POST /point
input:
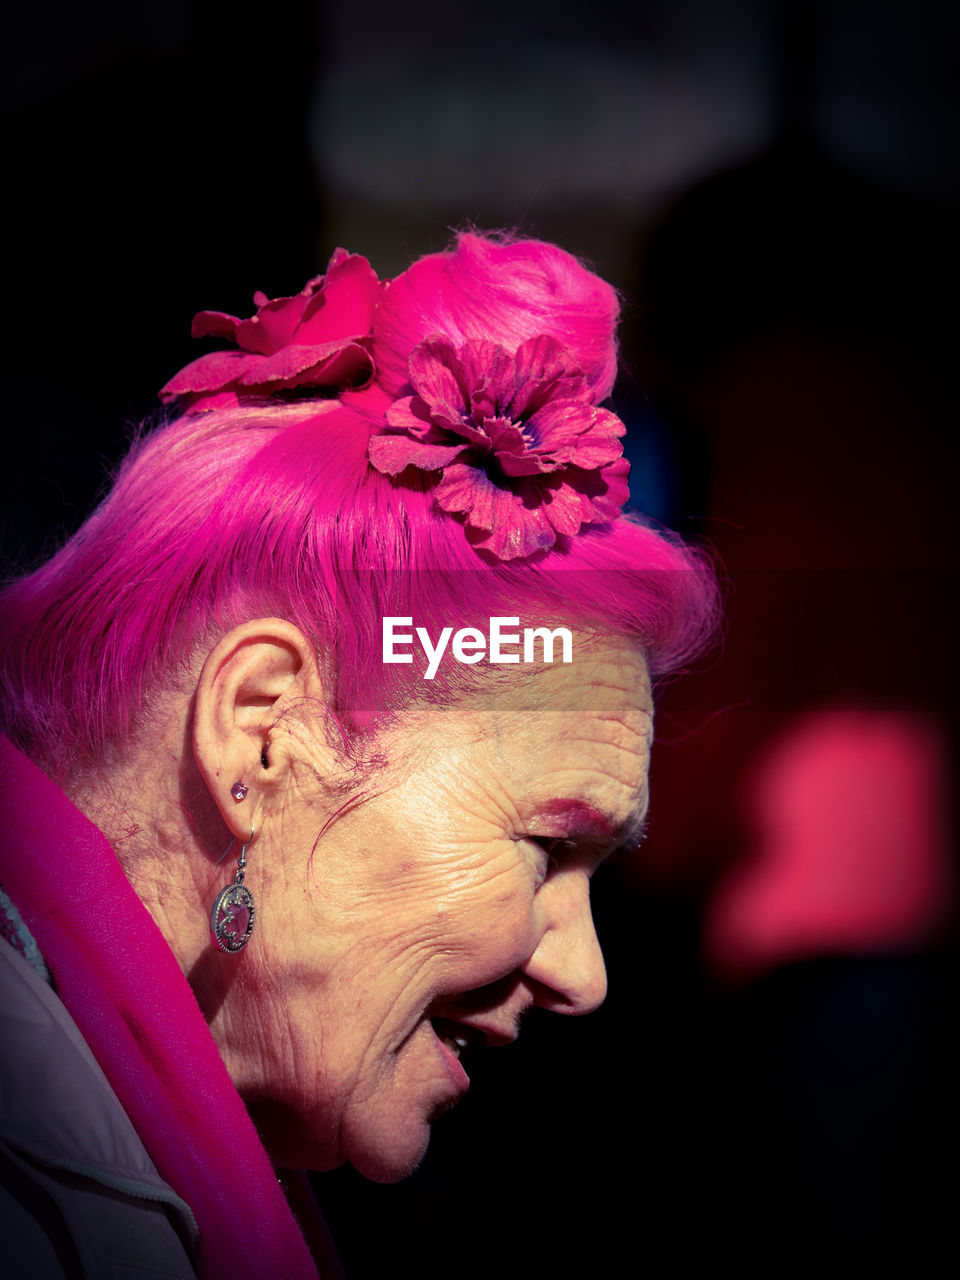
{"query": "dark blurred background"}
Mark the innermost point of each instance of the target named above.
(773, 187)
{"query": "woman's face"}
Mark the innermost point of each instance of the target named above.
(438, 910)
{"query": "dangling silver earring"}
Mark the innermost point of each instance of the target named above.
(231, 919)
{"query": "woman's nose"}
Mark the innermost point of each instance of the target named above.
(567, 967)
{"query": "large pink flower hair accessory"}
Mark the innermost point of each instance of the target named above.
(320, 338)
(523, 453)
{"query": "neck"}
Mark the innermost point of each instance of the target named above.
(168, 837)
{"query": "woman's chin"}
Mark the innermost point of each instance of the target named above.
(385, 1126)
(390, 1156)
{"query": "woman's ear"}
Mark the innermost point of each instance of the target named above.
(253, 673)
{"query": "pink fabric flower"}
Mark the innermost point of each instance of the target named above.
(524, 455)
(318, 338)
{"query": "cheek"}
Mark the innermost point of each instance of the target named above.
(493, 924)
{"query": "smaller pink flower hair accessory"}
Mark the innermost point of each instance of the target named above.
(320, 338)
(524, 454)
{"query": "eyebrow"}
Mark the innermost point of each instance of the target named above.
(577, 818)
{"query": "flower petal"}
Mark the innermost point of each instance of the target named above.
(526, 464)
(275, 323)
(504, 436)
(575, 431)
(545, 370)
(414, 415)
(566, 510)
(542, 359)
(602, 493)
(209, 373)
(329, 364)
(214, 324)
(464, 488)
(607, 424)
(465, 429)
(436, 377)
(487, 374)
(344, 306)
(522, 532)
(511, 523)
(556, 428)
(350, 368)
(391, 454)
(617, 494)
(409, 413)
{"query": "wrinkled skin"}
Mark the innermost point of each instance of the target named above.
(457, 888)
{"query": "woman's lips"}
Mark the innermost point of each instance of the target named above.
(451, 1041)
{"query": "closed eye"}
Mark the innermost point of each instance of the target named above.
(554, 847)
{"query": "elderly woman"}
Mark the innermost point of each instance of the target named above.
(316, 731)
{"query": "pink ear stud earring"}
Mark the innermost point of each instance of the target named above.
(239, 791)
(231, 918)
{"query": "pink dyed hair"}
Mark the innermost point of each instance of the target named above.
(509, 290)
(271, 509)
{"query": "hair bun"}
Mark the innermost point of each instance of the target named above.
(503, 289)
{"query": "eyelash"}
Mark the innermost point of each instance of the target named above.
(549, 844)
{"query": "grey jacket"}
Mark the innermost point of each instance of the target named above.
(79, 1196)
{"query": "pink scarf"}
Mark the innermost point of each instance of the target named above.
(119, 980)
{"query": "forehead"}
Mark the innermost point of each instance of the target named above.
(569, 748)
